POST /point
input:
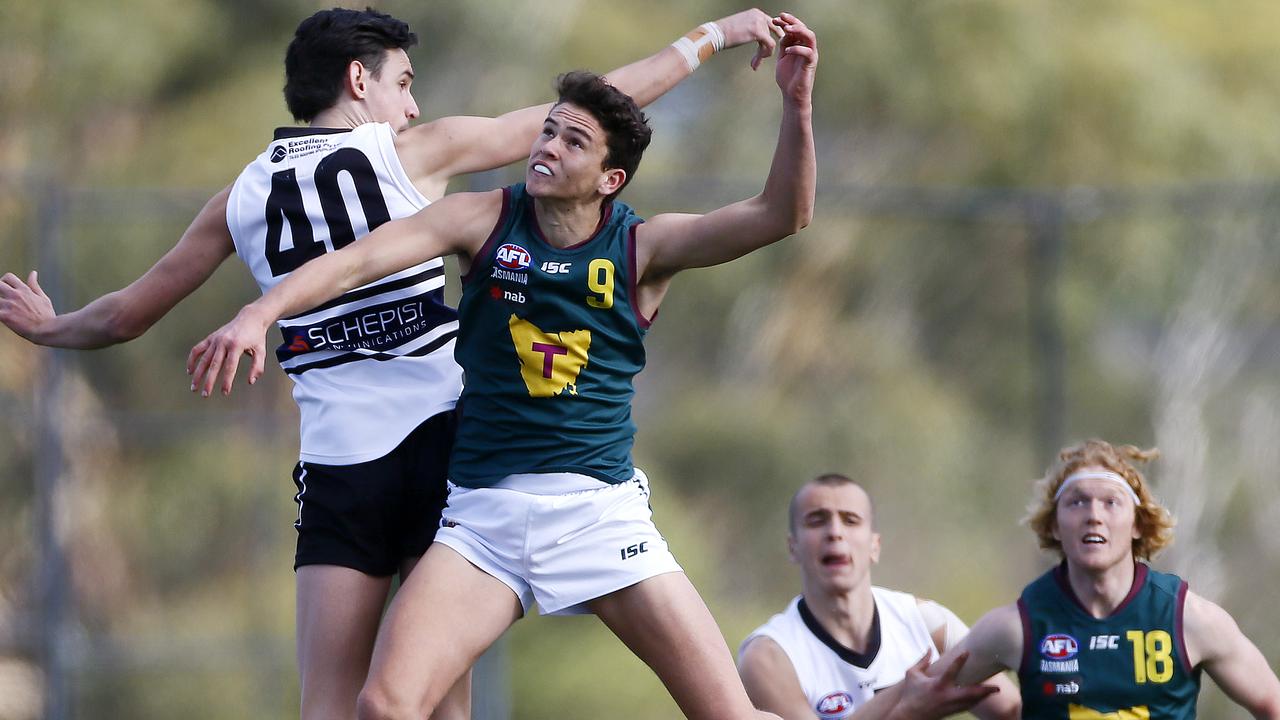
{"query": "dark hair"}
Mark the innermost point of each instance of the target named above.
(325, 44)
(626, 129)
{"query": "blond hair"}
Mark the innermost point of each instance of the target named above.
(1154, 523)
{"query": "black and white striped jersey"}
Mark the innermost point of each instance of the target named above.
(370, 366)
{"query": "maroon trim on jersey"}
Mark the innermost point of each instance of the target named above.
(293, 131)
(1025, 614)
(606, 212)
(487, 248)
(634, 279)
(1064, 584)
(1178, 627)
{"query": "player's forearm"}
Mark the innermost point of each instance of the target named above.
(790, 188)
(648, 79)
(97, 325)
(882, 706)
(316, 282)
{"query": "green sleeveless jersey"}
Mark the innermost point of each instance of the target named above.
(549, 341)
(1131, 665)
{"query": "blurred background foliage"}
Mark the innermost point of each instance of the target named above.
(899, 339)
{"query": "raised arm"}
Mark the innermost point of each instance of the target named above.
(125, 314)
(771, 680)
(1215, 642)
(992, 646)
(457, 224)
(434, 152)
(948, 631)
(670, 243)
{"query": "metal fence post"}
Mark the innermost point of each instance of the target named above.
(49, 467)
(1046, 221)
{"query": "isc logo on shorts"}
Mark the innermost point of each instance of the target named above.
(513, 257)
(631, 551)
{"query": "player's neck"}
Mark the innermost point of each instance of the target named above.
(565, 223)
(1101, 591)
(846, 615)
(341, 115)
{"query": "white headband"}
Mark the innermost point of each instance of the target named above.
(1098, 475)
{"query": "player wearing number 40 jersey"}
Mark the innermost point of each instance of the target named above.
(560, 282)
(374, 377)
(1102, 636)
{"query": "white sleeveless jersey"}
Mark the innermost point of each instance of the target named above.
(836, 680)
(373, 364)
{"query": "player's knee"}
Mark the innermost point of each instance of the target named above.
(379, 703)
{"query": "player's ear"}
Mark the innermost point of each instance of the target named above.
(875, 547)
(355, 79)
(791, 549)
(611, 181)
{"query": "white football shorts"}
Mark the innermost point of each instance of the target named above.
(556, 547)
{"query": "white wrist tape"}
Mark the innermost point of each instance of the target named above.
(700, 43)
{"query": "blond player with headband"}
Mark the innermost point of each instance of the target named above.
(1102, 635)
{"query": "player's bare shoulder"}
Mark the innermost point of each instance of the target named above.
(425, 152)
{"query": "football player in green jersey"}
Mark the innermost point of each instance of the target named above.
(1102, 636)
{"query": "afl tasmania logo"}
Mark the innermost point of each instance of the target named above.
(513, 257)
(278, 154)
(835, 706)
(1059, 647)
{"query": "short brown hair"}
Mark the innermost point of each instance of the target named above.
(1155, 524)
(830, 480)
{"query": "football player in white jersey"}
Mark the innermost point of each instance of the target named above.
(346, 70)
(843, 640)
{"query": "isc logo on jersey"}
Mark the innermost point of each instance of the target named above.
(513, 257)
(835, 706)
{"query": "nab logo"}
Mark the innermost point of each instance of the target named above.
(835, 705)
(279, 153)
(631, 551)
(513, 257)
(556, 268)
(1059, 647)
(1071, 687)
(515, 297)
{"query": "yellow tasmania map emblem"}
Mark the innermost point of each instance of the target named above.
(549, 362)
(1079, 712)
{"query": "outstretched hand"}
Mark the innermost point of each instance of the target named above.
(218, 356)
(24, 307)
(933, 698)
(798, 58)
(751, 26)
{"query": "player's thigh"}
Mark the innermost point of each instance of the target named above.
(666, 624)
(444, 616)
(337, 621)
